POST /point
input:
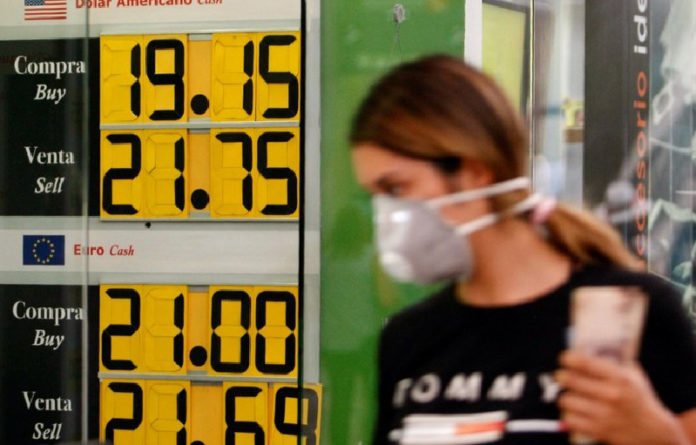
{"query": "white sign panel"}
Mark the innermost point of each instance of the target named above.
(106, 12)
(210, 251)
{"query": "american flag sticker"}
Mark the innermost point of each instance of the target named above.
(45, 9)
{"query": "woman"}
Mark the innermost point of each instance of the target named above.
(444, 155)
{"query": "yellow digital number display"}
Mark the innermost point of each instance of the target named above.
(121, 90)
(144, 411)
(286, 400)
(246, 413)
(121, 413)
(152, 168)
(234, 61)
(278, 92)
(147, 79)
(254, 173)
(143, 78)
(251, 331)
(144, 173)
(237, 173)
(174, 412)
(201, 125)
(142, 328)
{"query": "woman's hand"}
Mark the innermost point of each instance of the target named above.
(614, 403)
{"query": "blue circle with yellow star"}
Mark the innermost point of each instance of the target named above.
(43, 250)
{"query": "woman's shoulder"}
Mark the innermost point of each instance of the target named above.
(664, 298)
(421, 314)
(613, 275)
(650, 284)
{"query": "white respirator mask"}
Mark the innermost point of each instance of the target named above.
(416, 245)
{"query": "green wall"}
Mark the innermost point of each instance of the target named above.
(505, 56)
(358, 45)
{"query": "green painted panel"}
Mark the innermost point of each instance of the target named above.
(360, 42)
(504, 51)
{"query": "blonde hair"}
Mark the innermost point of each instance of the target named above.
(438, 108)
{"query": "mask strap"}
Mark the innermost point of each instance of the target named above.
(494, 189)
(526, 204)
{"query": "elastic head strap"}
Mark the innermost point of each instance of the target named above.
(526, 204)
(494, 189)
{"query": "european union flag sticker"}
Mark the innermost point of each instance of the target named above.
(44, 250)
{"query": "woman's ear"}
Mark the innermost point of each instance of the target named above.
(472, 174)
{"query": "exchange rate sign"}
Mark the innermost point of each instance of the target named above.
(200, 123)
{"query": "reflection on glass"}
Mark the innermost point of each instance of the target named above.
(624, 147)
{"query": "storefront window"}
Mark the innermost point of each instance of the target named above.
(613, 121)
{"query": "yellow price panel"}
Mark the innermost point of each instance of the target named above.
(254, 173)
(224, 173)
(136, 412)
(143, 174)
(233, 173)
(278, 89)
(143, 78)
(246, 413)
(256, 76)
(253, 331)
(248, 331)
(175, 412)
(207, 418)
(234, 60)
(141, 328)
(121, 412)
(121, 174)
(150, 79)
(286, 400)
(120, 67)
(164, 83)
(167, 412)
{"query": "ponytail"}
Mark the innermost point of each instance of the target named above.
(587, 240)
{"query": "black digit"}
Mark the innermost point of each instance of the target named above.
(308, 430)
(277, 173)
(245, 140)
(179, 190)
(279, 77)
(126, 424)
(216, 320)
(179, 323)
(121, 330)
(261, 305)
(178, 182)
(135, 88)
(121, 173)
(175, 79)
(181, 417)
(237, 426)
(248, 93)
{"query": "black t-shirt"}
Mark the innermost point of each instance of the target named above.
(441, 359)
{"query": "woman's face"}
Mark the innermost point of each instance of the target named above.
(383, 171)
